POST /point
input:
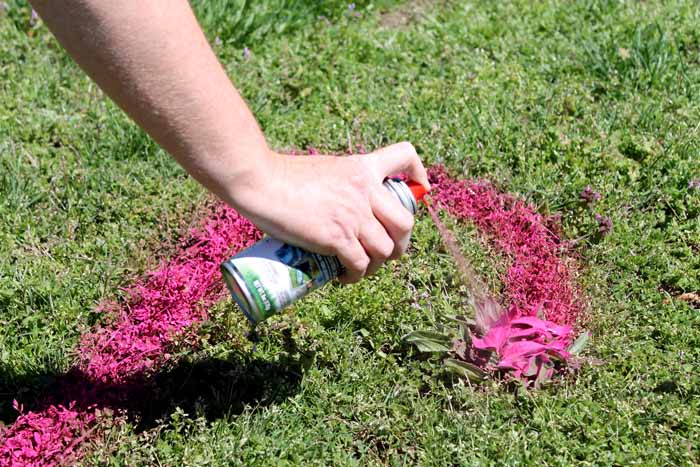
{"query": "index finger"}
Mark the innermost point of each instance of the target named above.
(400, 158)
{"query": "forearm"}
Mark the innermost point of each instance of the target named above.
(153, 60)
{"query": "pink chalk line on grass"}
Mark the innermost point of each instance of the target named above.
(543, 300)
(115, 361)
(538, 278)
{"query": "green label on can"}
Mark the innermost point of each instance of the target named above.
(275, 274)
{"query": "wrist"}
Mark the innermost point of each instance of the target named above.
(243, 188)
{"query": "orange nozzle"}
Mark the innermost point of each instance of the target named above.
(417, 189)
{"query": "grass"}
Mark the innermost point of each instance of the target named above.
(543, 98)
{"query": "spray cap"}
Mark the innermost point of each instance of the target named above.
(417, 189)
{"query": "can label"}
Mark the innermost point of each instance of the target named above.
(275, 274)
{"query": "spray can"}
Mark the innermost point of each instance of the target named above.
(270, 275)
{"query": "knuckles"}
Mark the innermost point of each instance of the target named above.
(408, 148)
(336, 235)
(360, 265)
(404, 223)
(385, 250)
(399, 249)
(358, 175)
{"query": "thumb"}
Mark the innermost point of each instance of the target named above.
(399, 158)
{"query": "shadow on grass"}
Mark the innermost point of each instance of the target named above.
(22, 387)
(211, 388)
(214, 388)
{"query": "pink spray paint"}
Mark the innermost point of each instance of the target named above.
(544, 301)
(115, 361)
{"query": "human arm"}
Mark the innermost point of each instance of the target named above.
(153, 60)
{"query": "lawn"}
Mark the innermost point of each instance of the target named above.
(541, 98)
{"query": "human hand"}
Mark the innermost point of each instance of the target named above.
(334, 205)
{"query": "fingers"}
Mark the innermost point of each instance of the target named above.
(395, 219)
(364, 256)
(385, 232)
(355, 261)
(399, 158)
(377, 243)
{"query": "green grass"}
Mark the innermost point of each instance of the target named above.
(543, 98)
